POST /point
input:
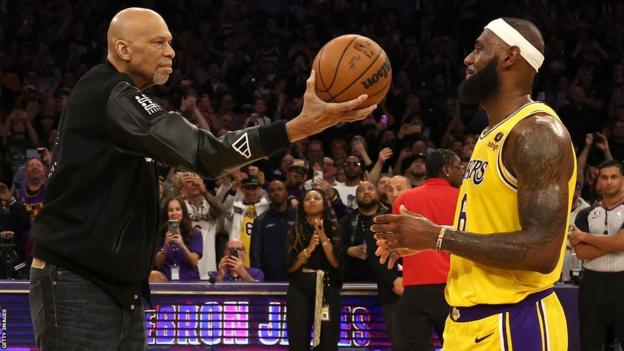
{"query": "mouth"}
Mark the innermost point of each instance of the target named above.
(168, 68)
(469, 72)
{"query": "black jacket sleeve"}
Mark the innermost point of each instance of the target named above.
(138, 125)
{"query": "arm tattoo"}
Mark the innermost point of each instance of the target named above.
(539, 152)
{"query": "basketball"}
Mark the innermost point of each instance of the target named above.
(351, 65)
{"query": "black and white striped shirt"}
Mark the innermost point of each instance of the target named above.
(608, 221)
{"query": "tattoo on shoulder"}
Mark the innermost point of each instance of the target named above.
(540, 152)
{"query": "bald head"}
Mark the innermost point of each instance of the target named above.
(396, 186)
(139, 44)
(129, 23)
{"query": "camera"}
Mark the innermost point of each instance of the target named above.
(234, 252)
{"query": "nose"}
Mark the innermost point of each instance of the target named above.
(469, 60)
(169, 52)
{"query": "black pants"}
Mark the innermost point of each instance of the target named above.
(420, 309)
(601, 299)
(71, 313)
(387, 312)
(300, 314)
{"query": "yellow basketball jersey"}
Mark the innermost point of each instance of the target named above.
(488, 203)
(246, 228)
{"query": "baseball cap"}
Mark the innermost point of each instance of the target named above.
(298, 163)
(408, 161)
(250, 181)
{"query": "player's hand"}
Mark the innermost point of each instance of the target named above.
(402, 235)
(318, 115)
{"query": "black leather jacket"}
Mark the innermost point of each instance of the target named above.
(100, 213)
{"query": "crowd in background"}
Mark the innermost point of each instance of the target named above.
(245, 63)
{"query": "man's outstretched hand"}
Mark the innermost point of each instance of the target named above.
(318, 115)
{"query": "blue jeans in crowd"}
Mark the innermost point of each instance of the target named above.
(71, 313)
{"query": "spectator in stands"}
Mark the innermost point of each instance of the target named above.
(328, 172)
(33, 191)
(362, 265)
(339, 151)
(17, 137)
(268, 238)
(415, 169)
(13, 218)
(422, 306)
(296, 178)
(314, 245)
(353, 173)
(181, 246)
(206, 214)
(396, 186)
(232, 267)
(244, 213)
(315, 152)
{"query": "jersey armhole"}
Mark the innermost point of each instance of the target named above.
(503, 173)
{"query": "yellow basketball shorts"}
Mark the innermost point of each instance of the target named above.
(537, 323)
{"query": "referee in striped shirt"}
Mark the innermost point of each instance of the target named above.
(598, 239)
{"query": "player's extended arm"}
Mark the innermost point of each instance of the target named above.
(539, 152)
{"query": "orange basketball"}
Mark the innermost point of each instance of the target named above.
(351, 65)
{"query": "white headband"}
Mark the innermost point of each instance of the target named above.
(512, 37)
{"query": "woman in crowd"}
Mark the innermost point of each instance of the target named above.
(181, 247)
(314, 245)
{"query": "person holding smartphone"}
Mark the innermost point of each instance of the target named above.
(232, 267)
(181, 248)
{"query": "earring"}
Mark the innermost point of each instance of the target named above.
(447, 174)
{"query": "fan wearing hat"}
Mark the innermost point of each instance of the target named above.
(415, 168)
(244, 213)
(295, 178)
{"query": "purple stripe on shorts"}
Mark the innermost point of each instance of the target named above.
(525, 327)
(468, 314)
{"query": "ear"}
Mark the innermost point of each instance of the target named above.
(122, 48)
(446, 170)
(510, 57)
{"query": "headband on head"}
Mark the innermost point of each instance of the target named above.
(512, 37)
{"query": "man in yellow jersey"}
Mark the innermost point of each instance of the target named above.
(507, 243)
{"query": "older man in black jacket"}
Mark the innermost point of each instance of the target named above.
(96, 236)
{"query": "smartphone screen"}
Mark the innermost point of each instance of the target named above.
(383, 120)
(33, 153)
(173, 226)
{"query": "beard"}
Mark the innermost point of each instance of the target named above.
(481, 85)
(367, 205)
(160, 79)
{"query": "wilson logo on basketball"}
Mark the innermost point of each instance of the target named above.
(382, 72)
